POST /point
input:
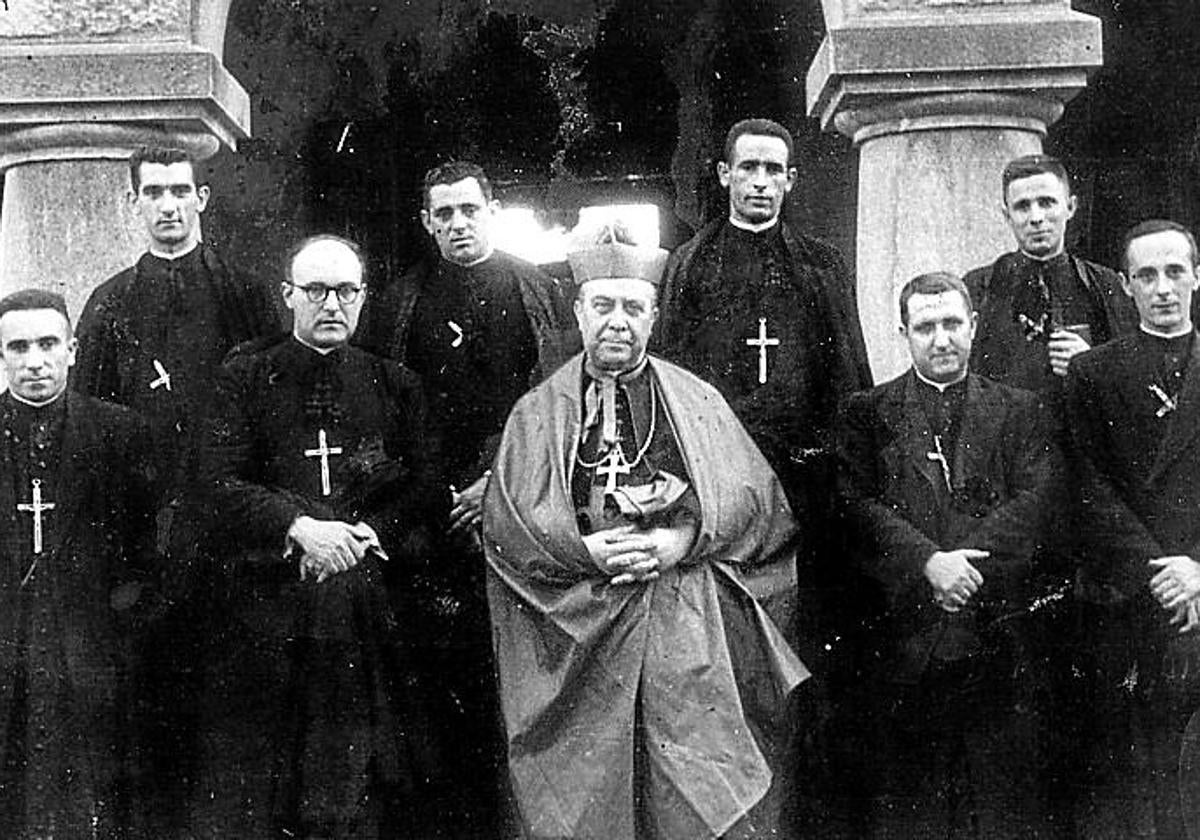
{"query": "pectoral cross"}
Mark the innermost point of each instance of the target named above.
(1168, 402)
(940, 456)
(36, 509)
(613, 464)
(762, 343)
(164, 378)
(323, 451)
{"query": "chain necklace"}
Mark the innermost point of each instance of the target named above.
(645, 445)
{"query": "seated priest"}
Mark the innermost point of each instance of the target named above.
(77, 511)
(639, 571)
(321, 479)
(946, 478)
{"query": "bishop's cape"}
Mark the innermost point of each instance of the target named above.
(682, 670)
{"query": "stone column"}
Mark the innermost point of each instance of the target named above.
(85, 84)
(937, 96)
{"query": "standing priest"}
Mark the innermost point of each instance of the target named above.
(321, 479)
(639, 558)
(77, 514)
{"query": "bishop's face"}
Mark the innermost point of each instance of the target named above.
(459, 218)
(325, 294)
(37, 349)
(170, 204)
(758, 178)
(939, 332)
(1161, 278)
(615, 316)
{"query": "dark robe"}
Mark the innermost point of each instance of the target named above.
(185, 314)
(680, 676)
(1139, 464)
(479, 336)
(66, 614)
(955, 755)
(312, 718)
(1021, 300)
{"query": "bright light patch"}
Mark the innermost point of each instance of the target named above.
(516, 230)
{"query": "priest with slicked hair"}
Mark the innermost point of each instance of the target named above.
(639, 570)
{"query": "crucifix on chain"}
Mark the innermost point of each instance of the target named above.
(323, 451)
(762, 343)
(36, 507)
(939, 455)
(614, 463)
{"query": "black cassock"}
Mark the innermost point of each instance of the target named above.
(312, 721)
(66, 613)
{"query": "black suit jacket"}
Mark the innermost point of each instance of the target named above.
(1005, 469)
(1139, 473)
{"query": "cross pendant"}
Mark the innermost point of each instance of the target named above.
(36, 508)
(940, 456)
(323, 451)
(762, 343)
(1168, 402)
(614, 464)
(164, 378)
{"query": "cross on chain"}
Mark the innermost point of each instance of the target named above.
(939, 455)
(164, 378)
(323, 451)
(36, 508)
(614, 464)
(762, 343)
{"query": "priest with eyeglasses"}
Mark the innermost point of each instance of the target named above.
(321, 478)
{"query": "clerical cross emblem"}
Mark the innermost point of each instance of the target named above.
(1169, 403)
(614, 464)
(164, 378)
(940, 456)
(762, 343)
(323, 451)
(458, 334)
(36, 507)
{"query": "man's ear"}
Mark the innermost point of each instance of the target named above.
(723, 173)
(427, 222)
(1072, 206)
(1125, 284)
(203, 192)
(791, 179)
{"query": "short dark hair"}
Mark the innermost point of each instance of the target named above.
(163, 155)
(1028, 166)
(1151, 226)
(761, 127)
(451, 172)
(27, 299)
(295, 250)
(933, 283)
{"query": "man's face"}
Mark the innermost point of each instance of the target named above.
(615, 316)
(321, 270)
(37, 349)
(757, 178)
(1161, 278)
(170, 204)
(1037, 209)
(939, 333)
(459, 219)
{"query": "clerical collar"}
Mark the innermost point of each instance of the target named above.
(1166, 336)
(490, 253)
(34, 405)
(940, 386)
(1059, 256)
(622, 377)
(324, 351)
(174, 256)
(752, 228)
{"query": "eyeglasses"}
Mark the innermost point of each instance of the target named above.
(319, 292)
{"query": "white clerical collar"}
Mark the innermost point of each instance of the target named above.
(1179, 333)
(620, 376)
(1061, 250)
(482, 259)
(941, 386)
(324, 351)
(176, 255)
(759, 228)
(31, 404)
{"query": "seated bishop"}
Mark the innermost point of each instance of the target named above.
(321, 477)
(639, 571)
